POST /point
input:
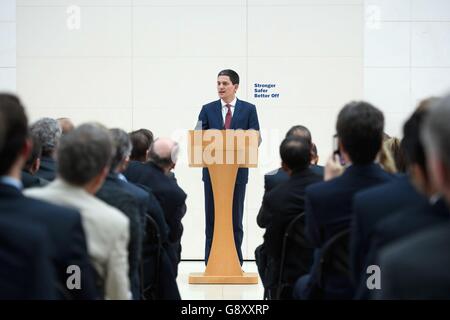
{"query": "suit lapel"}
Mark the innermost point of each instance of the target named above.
(237, 110)
(218, 110)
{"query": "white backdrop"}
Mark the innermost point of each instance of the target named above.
(152, 64)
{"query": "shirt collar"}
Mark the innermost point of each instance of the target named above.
(232, 103)
(10, 181)
(434, 198)
(120, 176)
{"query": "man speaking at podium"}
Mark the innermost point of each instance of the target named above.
(227, 113)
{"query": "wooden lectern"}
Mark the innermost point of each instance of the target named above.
(223, 152)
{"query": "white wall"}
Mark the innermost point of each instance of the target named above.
(8, 45)
(150, 63)
(406, 55)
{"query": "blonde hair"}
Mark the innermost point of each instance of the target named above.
(386, 156)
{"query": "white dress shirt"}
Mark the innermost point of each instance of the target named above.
(225, 109)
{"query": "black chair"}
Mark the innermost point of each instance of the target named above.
(151, 259)
(296, 260)
(294, 244)
(334, 261)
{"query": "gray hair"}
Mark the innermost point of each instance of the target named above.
(48, 132)
(122, 144)
(436, 130)
(84, 153)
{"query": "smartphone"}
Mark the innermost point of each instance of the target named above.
(336, 150)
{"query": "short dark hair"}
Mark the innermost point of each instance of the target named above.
(15, 130)
(300, 131)
(314, 150)
(360, 130)
(141, 141)
(83, 153)
(295, 153)
(234, 77)
(411, 144)
(436, 131)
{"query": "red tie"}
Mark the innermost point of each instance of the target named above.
(228, 117)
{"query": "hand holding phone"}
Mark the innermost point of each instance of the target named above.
(336, 151)
(333, 167)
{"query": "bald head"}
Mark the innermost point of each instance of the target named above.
(66, 125)
(164, 153)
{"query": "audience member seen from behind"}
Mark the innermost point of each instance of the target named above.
(84, 158)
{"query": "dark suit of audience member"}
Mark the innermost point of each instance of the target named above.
(31, 181)
(372, 206)
(167, 286)
(329, 204)
(63, 225)
(401, 225)
(278, 176)
(26, 270)
(170, 196)
(65, 231)
(279, 207)
(47, 170)
(115, 196)
(147, 205)
(417, 267)
(375, 208)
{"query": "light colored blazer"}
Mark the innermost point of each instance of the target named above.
(107, 233)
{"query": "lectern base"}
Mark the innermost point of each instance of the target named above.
(200, 278)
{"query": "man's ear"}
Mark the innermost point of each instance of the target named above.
(440, 177)
(36, 165)
(444, 174)
(26, 149)
(236, 87)
(284, 167)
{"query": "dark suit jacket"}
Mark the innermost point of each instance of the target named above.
(65, 232)
(279, 207)
(372, 206)
(30, 181)
(170, 196)
(329, 204)
(329, 211)
(278, 176)
(417, 267)
(47, 170)
(150, 205)
(26, 270)
(401, 225)
(116, 196)
(244, 117)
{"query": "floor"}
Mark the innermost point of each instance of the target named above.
(216, 292)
